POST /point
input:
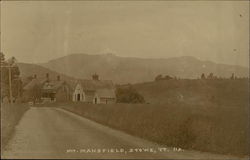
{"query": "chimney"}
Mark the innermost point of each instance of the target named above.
(58, 78)
(34, 76)
(95, 77)
(47, 77)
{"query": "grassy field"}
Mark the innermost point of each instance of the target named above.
(10, 116)
(205, 115)
(224, 92)
(212, 129)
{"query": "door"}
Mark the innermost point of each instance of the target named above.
(95, 100)
(78, 97)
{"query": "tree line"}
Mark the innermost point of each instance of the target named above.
(210, 76)
(11, 83)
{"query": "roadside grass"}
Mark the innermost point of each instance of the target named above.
(212, 129)
(10, 116)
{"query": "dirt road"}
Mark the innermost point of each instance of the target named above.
(56, 133)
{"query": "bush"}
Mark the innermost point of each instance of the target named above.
(128, 95)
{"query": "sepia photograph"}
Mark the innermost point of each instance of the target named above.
(123, 79)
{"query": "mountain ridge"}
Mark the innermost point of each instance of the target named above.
(30, 69)
(135, 70)
(131, 57)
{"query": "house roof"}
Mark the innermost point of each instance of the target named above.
(90, 92)
(106, 93)
(97, 84)
(72, 84)
(33, 83)
(103, 88)
(53, 85)
(89, 95)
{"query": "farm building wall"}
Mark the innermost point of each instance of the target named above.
(63, 94)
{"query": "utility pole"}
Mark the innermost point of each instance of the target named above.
(10, 82)
(10, 85)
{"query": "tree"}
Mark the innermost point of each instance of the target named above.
(167, 77)
(12, 61)
(10, 67)
(158, 77)
(128, 95)
(210, 76)
(2, 57)
(232, 77)
(203, 76)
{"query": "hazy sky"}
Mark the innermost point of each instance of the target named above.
(39, 31)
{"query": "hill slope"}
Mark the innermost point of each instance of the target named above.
(197, 92)
(32, 69)
(132, 70)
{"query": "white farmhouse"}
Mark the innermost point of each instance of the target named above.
(78, 95)
(94, 91)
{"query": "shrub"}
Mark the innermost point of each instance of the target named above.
(128, 95)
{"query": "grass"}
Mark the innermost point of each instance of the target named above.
(205, 115)
(212, 129)
(203, 92)
(10, 116)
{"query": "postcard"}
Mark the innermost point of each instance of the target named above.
(125, 79)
